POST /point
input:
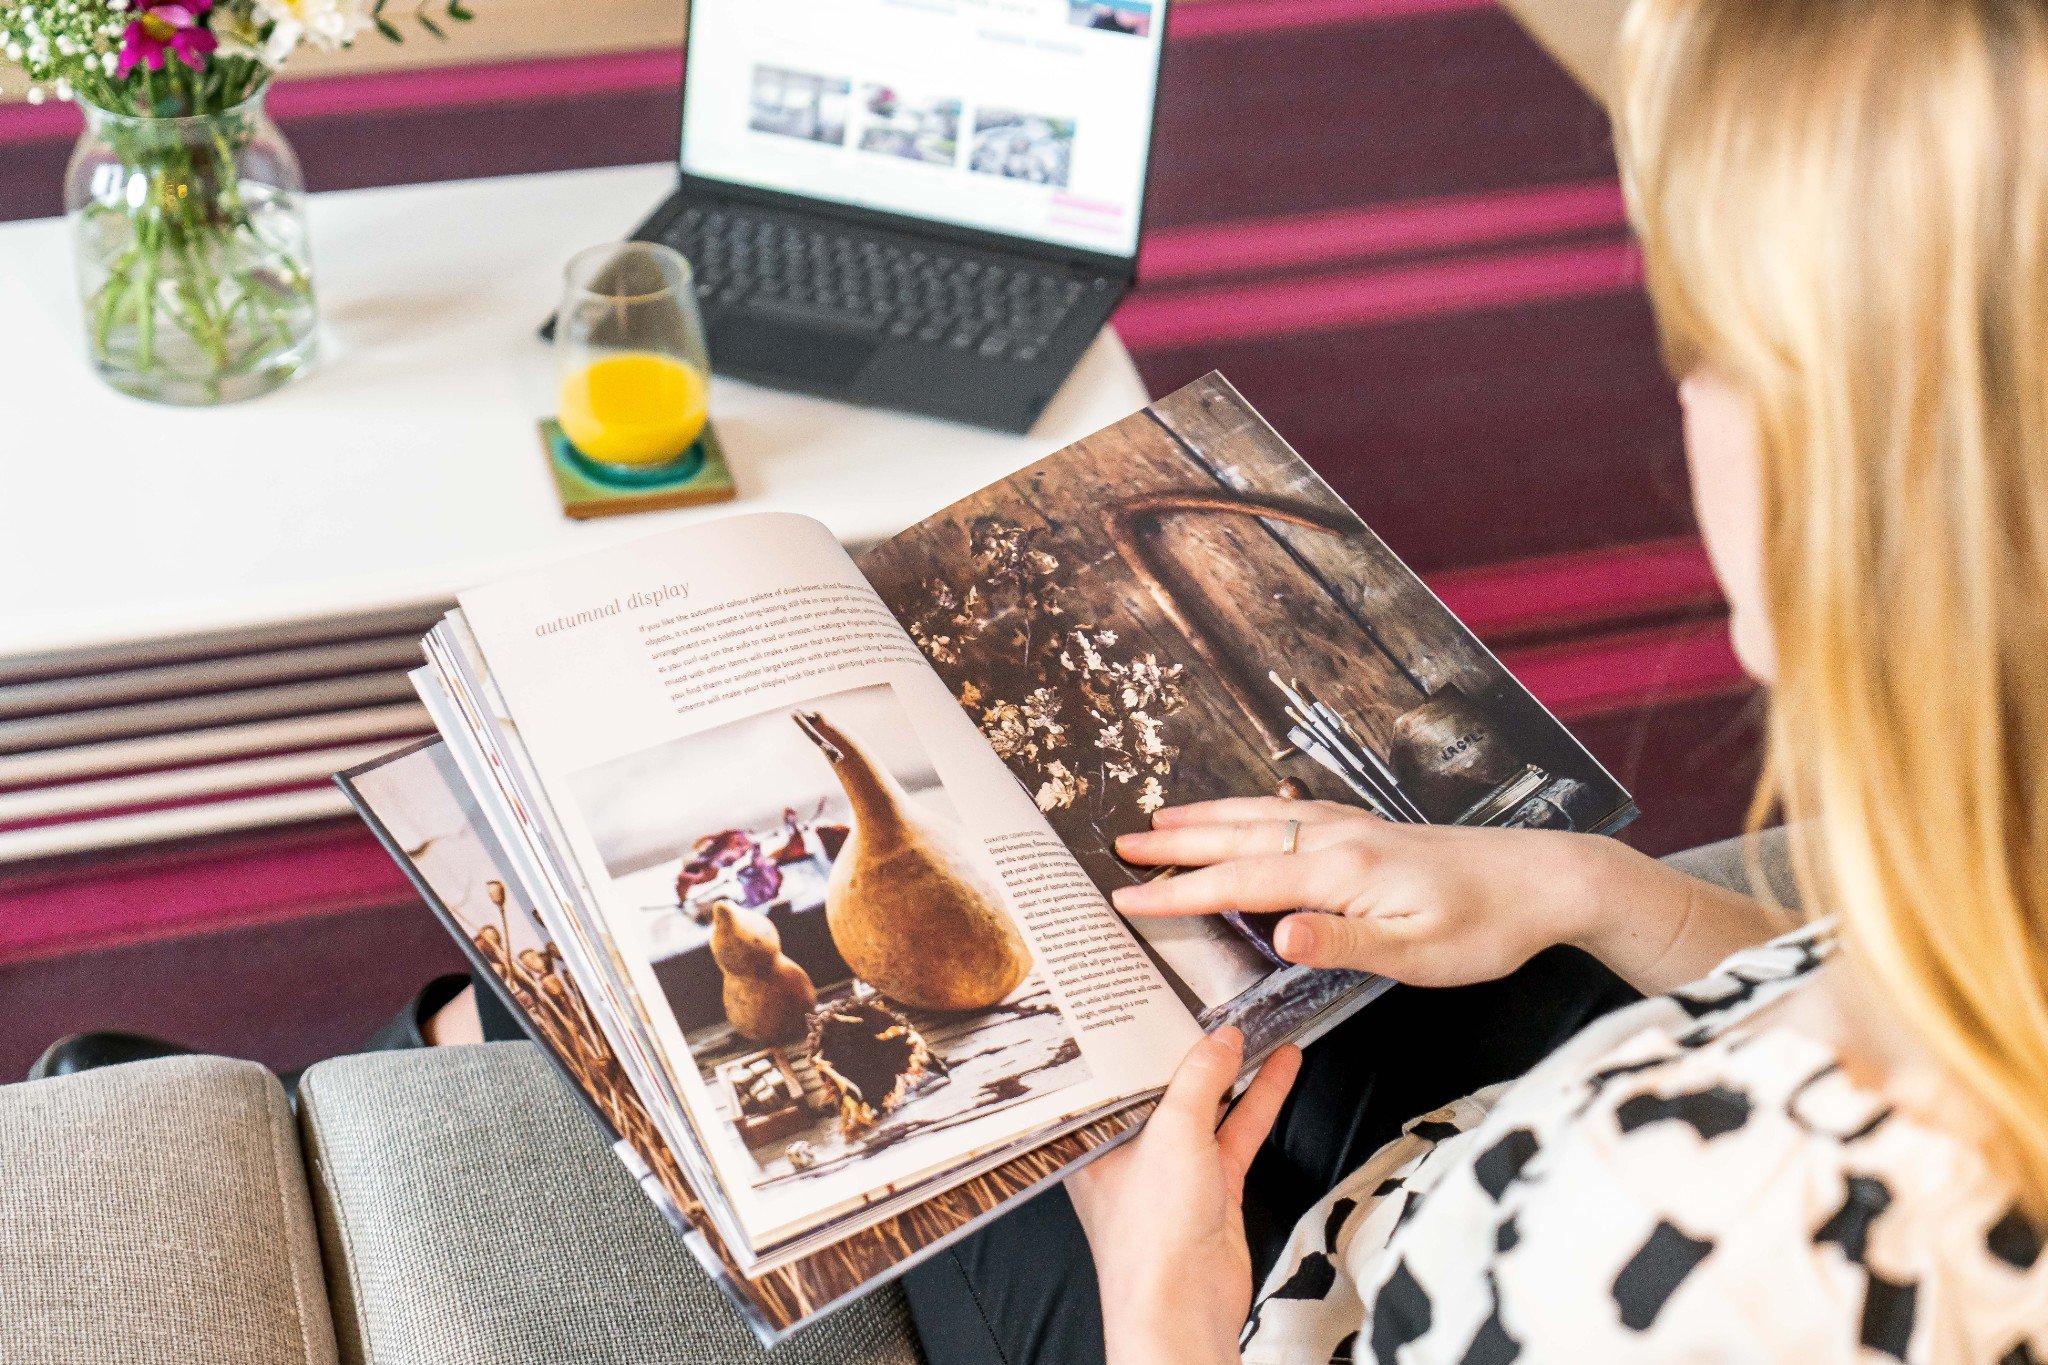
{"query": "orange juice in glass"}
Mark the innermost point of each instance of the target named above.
(634, 375)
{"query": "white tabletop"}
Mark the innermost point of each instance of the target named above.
(406, 465)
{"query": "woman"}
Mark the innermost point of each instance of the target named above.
(1835, 1145)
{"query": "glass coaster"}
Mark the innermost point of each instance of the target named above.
(592, 488)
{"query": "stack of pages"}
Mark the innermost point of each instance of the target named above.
(797, 863)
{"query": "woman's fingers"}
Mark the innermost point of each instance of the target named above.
(1327, 879)
(1359, 943)
(1198, 845)
(1240, 809)
(1203, 1080)
(1251, 1118)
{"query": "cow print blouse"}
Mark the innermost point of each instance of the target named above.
(1681, 1182)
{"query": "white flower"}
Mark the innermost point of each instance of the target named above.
(1060, 787)
(1004, 726)
(1041, 712)
(326, 24)
(1151, 735)
(285, 33)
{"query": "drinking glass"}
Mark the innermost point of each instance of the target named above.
(635, 376)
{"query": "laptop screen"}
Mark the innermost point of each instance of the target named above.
(1030, 118)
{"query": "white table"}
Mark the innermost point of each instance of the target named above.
(230, 596)
(405, 466)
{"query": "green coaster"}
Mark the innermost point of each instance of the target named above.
(590, 489)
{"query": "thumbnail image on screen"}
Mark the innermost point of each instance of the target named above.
(799, 104)
(916, 128)
(1034, 147)
(1133, 17)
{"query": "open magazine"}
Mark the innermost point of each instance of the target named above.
(797, 866)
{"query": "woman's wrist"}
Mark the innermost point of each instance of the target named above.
(1166, 1325)
(1656, 927)
(1165, 1337)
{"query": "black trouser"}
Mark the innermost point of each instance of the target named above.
(407, 1028)
(1022, 1290)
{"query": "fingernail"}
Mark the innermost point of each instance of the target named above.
(1229, 1036)
(1125, 896)
(1295, 939)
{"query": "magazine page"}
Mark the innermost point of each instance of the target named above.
(866, 958)
(424, 811)
(1177, 609)
(515, 804)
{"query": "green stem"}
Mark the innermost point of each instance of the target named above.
(149, 233)
(196, 280)
(109, 300)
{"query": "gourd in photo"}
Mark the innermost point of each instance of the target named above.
(908, 907)
(768, 997)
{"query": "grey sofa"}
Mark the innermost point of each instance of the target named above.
(453, 1207)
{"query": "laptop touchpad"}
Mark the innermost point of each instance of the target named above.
(813, 355)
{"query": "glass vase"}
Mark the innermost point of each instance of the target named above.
(193, 267)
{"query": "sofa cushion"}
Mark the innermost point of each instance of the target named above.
(156, 1213)
(473, 1214)
(1732, 863)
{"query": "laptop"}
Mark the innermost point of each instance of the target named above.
(928, 205)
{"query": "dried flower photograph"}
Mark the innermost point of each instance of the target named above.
(1142, 622)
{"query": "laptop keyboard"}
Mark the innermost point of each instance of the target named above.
(818, 274)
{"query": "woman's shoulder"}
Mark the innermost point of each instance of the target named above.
(1739, 1186)
(1693, 1178)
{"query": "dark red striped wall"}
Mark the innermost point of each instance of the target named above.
(1392, 223)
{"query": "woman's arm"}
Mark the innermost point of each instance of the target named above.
(1658, 928)
(1438, 905)
(1164, 1212)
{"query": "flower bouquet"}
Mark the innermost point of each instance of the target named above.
(187, 203)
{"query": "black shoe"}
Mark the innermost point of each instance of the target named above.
(408, 1029)
(91, 1051)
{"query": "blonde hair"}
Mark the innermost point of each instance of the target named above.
(1843, 206)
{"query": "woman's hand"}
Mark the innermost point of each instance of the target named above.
(1164, 1212)
(1436, 905)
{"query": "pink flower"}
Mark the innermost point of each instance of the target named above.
(162, 26)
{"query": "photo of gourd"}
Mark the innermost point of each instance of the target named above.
(834, 946)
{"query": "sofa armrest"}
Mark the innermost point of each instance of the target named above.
(472, 1210)
(156, 1214)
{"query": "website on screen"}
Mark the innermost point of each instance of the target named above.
(1030, 118)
